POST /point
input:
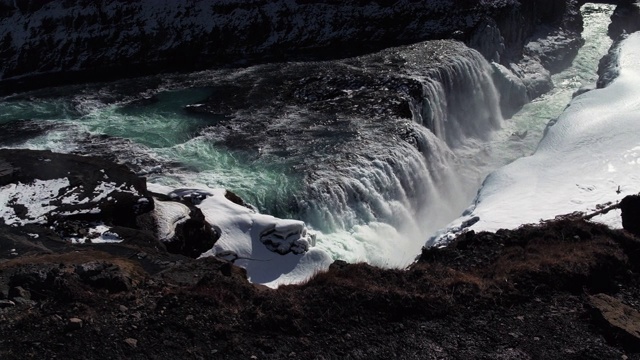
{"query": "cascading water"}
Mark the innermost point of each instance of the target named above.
(524, 130)
(379, 207)
(461, 101)
(374, 152)
(347, 146)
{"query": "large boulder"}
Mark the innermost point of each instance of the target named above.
(630, 207)
(621, 322)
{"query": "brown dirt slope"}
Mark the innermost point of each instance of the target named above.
(521, 294)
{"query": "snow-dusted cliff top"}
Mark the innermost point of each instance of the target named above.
(114, 38)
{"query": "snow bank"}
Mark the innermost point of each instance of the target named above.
(590, 156)
(273, 251)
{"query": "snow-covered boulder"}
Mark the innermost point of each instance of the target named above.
(274, 251)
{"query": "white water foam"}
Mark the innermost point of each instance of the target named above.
(382, 209)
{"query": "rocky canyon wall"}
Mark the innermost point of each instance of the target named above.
(52, 42)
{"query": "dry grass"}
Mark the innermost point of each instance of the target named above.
(133, 270)
(479, 268)
(564, 255)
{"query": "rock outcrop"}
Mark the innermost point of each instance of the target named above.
(625, 20)
(182, 226)
(630, 207)
(69, 192)
(78, 199)
(621, 322)
(50, 42)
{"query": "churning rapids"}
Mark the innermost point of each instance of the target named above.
(374, 153)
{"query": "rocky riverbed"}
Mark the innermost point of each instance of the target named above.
(566, 288)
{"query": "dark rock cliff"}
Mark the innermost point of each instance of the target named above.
(625, 20)
(52, 42)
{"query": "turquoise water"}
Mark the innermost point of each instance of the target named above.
(162, 123)
(163, 130)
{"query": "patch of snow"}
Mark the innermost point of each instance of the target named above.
(104, 189)
(22, 204)
(99, 234)
(584, 158)
(254, 241)
(78, 212)
(35, 198)
(612, 219)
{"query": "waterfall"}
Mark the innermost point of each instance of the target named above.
(334, 141)
(460, 100)
(415, 184)
(392, 187)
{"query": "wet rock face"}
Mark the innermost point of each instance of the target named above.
(71, 40)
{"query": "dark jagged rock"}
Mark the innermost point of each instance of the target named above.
(234, 198)
(193, 236)
(630, 207)
(608, 68)
(625, 20)
(16, 132)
